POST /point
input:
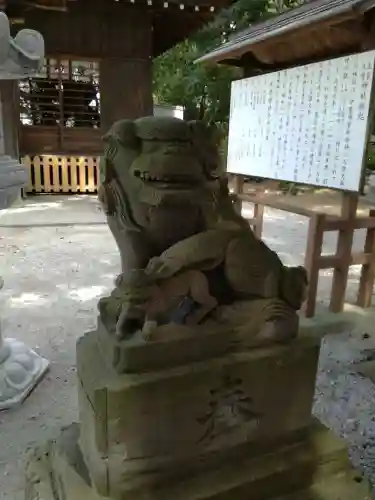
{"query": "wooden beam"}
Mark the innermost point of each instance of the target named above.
(278, 205)
(337, 224)
(17, 20)
(264, 50)
(270, 67)
(356, 259)
(60, 6)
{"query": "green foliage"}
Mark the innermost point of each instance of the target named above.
(370, 164)
(204, 90)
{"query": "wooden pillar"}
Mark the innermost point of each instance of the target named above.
(367, 278)
(238, 183)
(125, 89)
(313, 252)
(366, 282)
(344, 252)
(258, 217)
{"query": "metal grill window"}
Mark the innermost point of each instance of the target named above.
(64, 94)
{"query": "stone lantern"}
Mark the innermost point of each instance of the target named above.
(20, 367)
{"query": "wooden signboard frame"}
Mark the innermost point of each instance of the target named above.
(306, 124)
(319, 223)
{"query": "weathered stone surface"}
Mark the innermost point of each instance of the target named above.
(56, 471)
(21, 369)
(170, 212)
(315, 468)
(152, 128)
(13, 176)
(135, 356)
(144, 426)
(346, 485)
(22, 55)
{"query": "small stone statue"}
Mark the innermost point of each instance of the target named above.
(187, 256)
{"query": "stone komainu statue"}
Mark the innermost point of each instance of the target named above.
(187, 257)
(174, 400)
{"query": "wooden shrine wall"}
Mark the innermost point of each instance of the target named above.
(91, 30)
(125, 89)
(56, 114)
(60, 109)
(116, 35)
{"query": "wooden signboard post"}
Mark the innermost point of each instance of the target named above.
(310, 125)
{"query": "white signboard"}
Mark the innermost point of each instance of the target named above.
(306, 125)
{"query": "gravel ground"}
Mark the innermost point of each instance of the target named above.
(57, 257)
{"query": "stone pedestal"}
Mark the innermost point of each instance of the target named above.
(149, 429)
(237, 426)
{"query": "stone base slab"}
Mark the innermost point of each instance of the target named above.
(315, 469)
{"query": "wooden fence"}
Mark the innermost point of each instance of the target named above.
(62, 174)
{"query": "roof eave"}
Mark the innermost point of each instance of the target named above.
(225, 51)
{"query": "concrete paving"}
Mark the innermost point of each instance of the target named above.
(57, 258)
